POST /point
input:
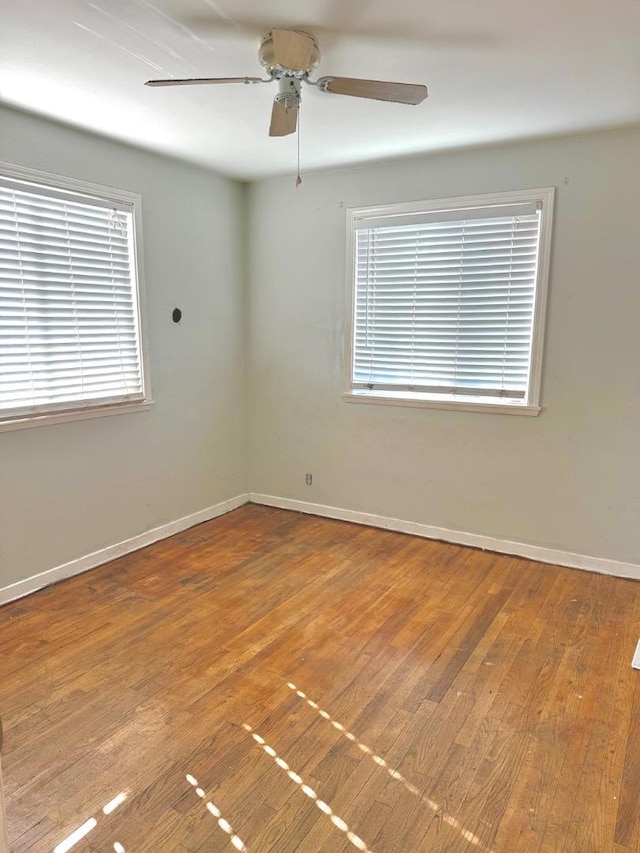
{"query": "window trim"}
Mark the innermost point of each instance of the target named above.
(531, 404)
(124, 198)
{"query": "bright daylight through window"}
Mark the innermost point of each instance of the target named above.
(70, 333)
(448, 301)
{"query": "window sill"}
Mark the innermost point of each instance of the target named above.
(449, 405)
(29, 421)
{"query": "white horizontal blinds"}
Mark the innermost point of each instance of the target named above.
(69, 333)
(445, 306)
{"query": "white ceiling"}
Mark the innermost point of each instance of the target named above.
(496, 70)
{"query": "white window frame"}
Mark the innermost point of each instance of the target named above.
(133, 202)
(530, 405)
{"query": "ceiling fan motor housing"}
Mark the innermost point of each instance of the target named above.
(289, 94)
(266, 55)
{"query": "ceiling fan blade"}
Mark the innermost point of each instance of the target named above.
(284, 120)
(198, 81)
(292, 50)
(399, 93)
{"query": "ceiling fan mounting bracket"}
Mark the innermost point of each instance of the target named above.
(323, 83)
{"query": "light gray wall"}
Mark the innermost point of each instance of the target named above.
(70, 489)
(568, 479)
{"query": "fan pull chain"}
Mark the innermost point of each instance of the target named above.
(298, 178)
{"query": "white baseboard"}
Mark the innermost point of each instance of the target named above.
(104, 555)
(459, 537)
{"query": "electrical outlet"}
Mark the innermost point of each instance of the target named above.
(308, 478)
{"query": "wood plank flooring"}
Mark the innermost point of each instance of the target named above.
(276, 682)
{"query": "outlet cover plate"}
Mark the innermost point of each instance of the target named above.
(635, 663)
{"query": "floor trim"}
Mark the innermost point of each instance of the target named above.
(458, 537)
(104, 555)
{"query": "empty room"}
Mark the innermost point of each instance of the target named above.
(319, 407)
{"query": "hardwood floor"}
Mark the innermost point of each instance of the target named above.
(325, 687)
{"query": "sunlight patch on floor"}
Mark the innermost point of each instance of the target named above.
(114, 803)
(77, 835)
(395, 774)
(308, 791)
(89, 825)
(213, 810)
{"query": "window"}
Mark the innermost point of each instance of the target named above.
(448, 301)
(70, 332)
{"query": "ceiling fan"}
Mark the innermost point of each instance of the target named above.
(289, 56)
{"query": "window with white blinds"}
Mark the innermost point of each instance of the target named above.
(448, 300)
(70, 336)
